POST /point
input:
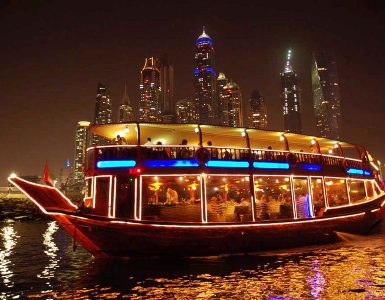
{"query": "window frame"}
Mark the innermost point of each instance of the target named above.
(140, 200)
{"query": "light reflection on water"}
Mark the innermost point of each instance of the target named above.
(51, 252)
(37, 261)
(9, 238)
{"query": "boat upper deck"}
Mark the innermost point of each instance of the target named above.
(154, 146)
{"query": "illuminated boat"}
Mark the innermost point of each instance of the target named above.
(205, 190)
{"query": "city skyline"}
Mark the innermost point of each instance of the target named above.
(75, 58)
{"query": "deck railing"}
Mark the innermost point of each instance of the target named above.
(166, 152)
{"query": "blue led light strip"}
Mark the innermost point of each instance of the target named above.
(310, 167)
(355, 171)
(270, 165)
(170, 163)
(102, 164)
(227, 164)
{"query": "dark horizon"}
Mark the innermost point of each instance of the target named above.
(55, 53)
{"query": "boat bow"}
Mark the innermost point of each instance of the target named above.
(49, 199)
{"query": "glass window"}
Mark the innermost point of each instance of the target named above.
(228, 199)
(273, 197)
(336, 192)
(302, 198)
(102, 195)
(318, 197)
(171, 198)
(356, 190)
(377, 190)
(125, 197)
(369, 188)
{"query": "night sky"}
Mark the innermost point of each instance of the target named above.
(53, 54)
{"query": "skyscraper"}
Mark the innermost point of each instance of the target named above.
(81, 142)
(204, 79)
(326, 97)
(232, 104)
(290, 98)
(257, 112)
(103, 110)
(167, 90)
(222, 106)
(125, 108)
(186, 111)
(149, 106)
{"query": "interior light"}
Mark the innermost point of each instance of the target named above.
(313, 142)
(13, 175)
(196, 130)
(243, 133)
(126, 130)
(282, 138)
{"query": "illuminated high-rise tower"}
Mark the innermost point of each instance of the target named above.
(125, 108)
(232, 105)
(222, 105)
(204, 79)
(290, 98)
(167, 90)
(103, 111)
(149, 106)
(81, 141)
(326, 97)
(103, 108)
(257, 112)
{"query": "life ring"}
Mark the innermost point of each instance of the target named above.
(291, 158)
(202, 155)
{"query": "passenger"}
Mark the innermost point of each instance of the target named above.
(302, 206)
(213, 151)
(172, 196)
(160, 151)
(268, 153)
(120, 140)
(263, 214)
(149, 142)
(274, 207)
(227, 155)
(216, 207)
(183, 151)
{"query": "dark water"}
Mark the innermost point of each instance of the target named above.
(37, 262)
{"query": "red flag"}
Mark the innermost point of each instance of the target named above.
(47, 176)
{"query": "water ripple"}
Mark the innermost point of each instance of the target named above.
(37, 261)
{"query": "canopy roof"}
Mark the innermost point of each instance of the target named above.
(173, 134)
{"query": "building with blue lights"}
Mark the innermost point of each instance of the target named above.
(326, 96)
(149, 105)
(204, 79)
(290, 97)
(257, 112)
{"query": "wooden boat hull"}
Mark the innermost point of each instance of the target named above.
(123, 239)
